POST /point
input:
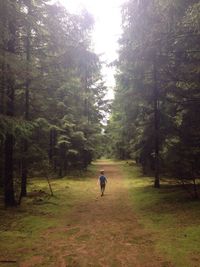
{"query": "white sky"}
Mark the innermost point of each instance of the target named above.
(106, 32)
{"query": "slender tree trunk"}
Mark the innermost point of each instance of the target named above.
(52, 151)
(9, 197)
(8, 148)
(55, 160)
(24, 170)
(2, 102)
(156, 127)
(86, 92)
(25, 142)
(8, 174)
(25, 147)
(2, 81)
(52, 143)
(50, 146)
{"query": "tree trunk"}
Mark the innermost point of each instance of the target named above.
(8, 174)
(9, 197)
(52, 150)
(2, 82)
(25, 142)
(25, 147)
(156, 127)
(52, 144)
(2, 103)
(24, 170)
(8, 148)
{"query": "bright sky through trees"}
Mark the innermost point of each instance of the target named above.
(107, 29)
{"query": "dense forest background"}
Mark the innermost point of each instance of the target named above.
(155, 116)
(51, 100)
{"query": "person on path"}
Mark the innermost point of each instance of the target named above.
(102, 182)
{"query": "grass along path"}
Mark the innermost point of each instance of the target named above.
(168, 213)
(78, 227)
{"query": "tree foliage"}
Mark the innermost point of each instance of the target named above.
(51, 99)
(157, 95)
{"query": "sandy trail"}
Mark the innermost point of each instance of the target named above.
(104, 231)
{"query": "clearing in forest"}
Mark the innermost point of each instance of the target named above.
(95, 231)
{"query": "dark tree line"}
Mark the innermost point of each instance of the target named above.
(51, 92)
(155, 116)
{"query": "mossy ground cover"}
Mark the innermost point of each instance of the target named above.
(21, 228)
(77, 227)
(154, 227)
(169, 214)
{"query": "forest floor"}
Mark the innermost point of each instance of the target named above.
(79, 228)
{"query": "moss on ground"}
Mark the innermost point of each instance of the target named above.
(169, 214)
(21, 227)
(166, 213)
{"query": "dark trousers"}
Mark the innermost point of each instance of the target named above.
(103, 185)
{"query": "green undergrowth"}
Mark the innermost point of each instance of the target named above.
(21, 228)
(169, 214)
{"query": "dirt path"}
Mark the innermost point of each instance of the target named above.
(102, 232)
